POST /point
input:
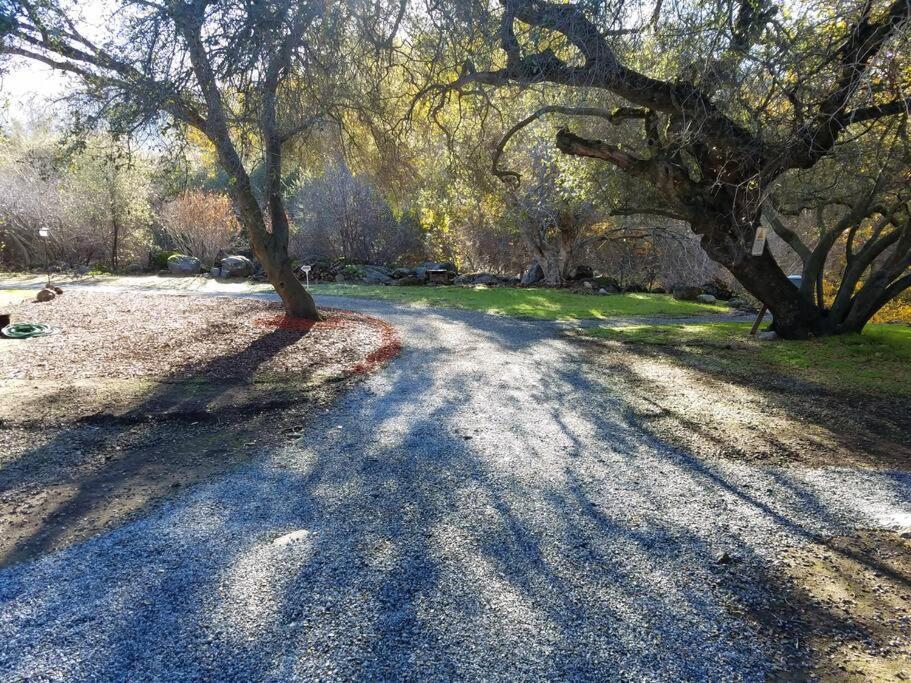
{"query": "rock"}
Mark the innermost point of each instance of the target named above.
(180, 264)
(134, 268)
(339, 278)
(581, 272)
(476, 279)
(374, 275)
(603, 291)
(236, 266)
(706, 299)
(726, 558)
(588, 285)
(718, 288)
(402, 272)
(532, 275)
(686, 292)
(215, 272)
(293, 537)
(46, 294)
(411, 280)
(767, 335)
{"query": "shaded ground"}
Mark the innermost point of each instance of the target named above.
(876, 362)
(482, 509)
(839, 609)
(720, 400)
(190, 388)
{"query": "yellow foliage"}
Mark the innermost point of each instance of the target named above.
(896, 311)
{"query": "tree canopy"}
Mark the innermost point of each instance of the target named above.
(726, 117)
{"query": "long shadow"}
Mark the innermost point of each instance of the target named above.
(173, 408)
(876, 432)
(554, 543)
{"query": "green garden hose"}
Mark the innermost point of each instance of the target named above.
(26, 330)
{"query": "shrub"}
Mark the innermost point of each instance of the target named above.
(159, 259)
(200, 224)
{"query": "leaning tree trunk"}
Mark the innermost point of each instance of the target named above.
(794, 315)
(272, 251)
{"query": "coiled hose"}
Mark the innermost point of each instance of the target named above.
(26, 330)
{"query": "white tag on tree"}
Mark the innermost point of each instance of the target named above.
(759, 241)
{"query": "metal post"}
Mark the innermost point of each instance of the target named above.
(44, 233)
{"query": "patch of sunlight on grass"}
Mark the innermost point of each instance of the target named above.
(11, 296)
(550, 304)
(878, 360)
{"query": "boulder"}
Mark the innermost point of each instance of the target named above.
(403, 272)
(374, 275)
(134, 268)
(532, 275)
(46, 294)
(476, 279)
(686, 292)
(767, 335)
(409, 280)
(718, 288)
(742, 304)
(588, 285)
(706, 299)
(236, 266)
(181, 264)
(581, 272)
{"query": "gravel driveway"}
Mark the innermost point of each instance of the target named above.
(480, 509)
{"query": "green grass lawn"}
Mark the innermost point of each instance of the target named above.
(550, 304)
(878, 361)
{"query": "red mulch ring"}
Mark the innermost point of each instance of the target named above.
(389, 347)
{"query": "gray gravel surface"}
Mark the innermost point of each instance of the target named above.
(479, 509)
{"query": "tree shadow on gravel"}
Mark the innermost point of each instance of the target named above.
(440, 523)
(718, 408)
(102, 467)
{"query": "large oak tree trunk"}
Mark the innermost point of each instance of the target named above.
(794, 315)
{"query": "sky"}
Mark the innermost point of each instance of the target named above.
(27, 85)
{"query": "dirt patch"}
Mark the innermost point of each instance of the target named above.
(838, 610)
(140, 396)
(714, 404)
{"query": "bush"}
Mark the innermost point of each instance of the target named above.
(340, 215)
(159, 259)
(201, 224)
